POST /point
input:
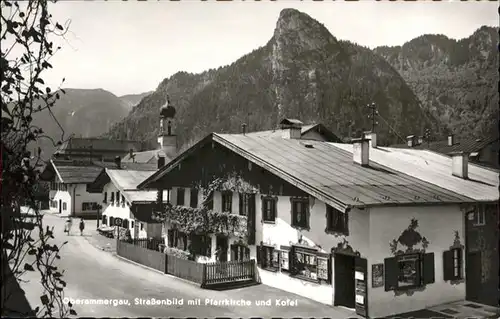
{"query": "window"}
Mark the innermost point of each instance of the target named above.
(409, 271)
(227, 201)
(142, 226)
(300, 212)
(104, 220)
(193, 199)
(180, 196)
(244, 204)
(105, 200)
(123, 201)
(269, 209)
(111, 221)
(132, 224)
(268, 258)
(336, 221)
(201, 245)
(452, 264)
(112, 200)
(479, 216)
(239, 253)
(65, 206)
(117, 196)
(304, 263)
(125, 223)
(89, 206)
(177, 239)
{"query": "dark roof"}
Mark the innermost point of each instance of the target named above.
(293, 122)
(145, 157)
(326, 172)
(99, 144)
(78, 174)
(469, 145)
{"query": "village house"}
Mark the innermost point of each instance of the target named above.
(69, 180)
(321, 222)
(480, 183)
(116, 188)
(481, 151)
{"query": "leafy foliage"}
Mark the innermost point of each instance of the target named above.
(26, 34)
(455, 80)
(302, 72)
(203, 221)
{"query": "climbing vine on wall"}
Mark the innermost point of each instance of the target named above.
(230, 182)
(203, 221)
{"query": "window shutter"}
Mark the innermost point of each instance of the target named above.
(329, 269)
(259, 254)
(447, 265)
(346, 223)
(274, 209)
(428, 269)
(240, 210)
(391, 273)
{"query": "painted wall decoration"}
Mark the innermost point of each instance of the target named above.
(345, 248)
(410, 241)
(377, 275)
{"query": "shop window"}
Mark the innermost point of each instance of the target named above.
(409, 271)
(268, 257)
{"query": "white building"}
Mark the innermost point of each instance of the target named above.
(332, 225)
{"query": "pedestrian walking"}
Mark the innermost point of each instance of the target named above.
(82, 226)
(67, 227)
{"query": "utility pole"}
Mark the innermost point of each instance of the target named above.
(373, 115)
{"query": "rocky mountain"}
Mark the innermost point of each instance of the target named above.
(85, 113)
(132, 100)
(456, 80)
(303, 72)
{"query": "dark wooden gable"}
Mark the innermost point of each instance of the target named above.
(98, 185)
(213, 160)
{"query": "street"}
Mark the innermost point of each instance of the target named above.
(135, 291)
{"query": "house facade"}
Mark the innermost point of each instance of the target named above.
(330, 225)
(69, 182)
(119, 198)
(480, 183)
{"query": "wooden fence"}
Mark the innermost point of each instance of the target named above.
(229, 271)
(146, 253)
(147, 257)
(186, 269)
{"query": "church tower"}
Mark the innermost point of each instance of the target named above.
(166, 138)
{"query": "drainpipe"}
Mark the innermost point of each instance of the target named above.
(74, 200)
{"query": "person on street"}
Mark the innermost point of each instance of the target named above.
(69, 223)
(82, 226)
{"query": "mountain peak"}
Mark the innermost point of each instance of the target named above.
(298, 29)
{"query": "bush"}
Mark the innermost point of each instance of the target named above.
(177, 253)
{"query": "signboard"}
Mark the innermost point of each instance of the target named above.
(361, 286)
(118, 222)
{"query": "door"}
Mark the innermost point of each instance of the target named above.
(221, 246)
(344, 281)
(60, 206)
(473, 276)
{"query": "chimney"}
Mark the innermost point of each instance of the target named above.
(410, 139)
(243, 128)
(460, 164)
(361, 151)
(118, 161)
(372, 137)
(161, 161)
(291, 128)
(451, 140)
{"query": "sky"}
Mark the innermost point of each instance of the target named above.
(130, 47)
